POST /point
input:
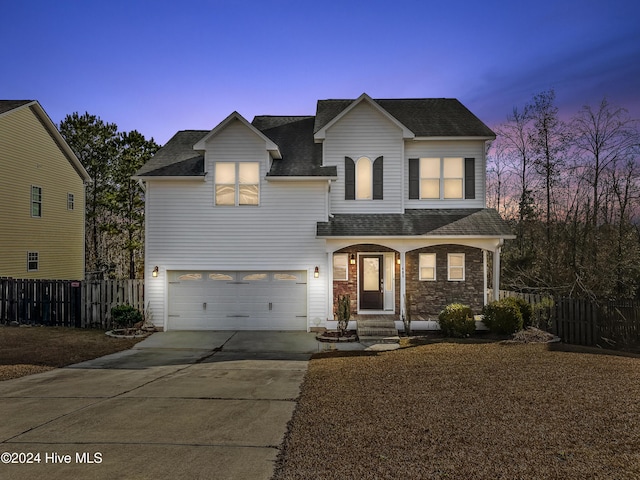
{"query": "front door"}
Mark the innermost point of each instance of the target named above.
(371, 282)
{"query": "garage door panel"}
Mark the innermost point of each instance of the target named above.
(237, 300)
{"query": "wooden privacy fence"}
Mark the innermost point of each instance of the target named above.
(604, 323)
(67, 303)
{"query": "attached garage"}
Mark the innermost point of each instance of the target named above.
(237, 300)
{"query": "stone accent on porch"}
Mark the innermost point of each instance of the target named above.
(376, 329)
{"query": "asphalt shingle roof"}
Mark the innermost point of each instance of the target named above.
(294, 136)
(425, 117)
(439, 222)
(177, 157)
(7, 105)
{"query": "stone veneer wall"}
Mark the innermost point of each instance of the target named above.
(428, 298)
(350, 286)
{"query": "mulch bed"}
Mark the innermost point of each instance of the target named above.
(466, 411)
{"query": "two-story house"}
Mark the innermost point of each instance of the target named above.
(263, 225)
(42, 197)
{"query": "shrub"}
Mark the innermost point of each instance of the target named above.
(344, 313)
(502, 317)
(526, 310)
(125, 316)
(456, 320)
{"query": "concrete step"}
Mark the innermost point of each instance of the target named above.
(377, 332)
(378, 340)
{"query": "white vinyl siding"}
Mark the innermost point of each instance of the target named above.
(443, 149)
(184, 231)
(365, 132)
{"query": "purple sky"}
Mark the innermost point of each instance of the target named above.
(163, 66)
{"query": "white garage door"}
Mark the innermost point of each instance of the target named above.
(221, 300)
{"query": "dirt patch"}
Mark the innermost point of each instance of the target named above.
(481, 411)
(28, 350)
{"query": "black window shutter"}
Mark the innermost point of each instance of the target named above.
(377, 178)
(349, 179)
(414, 178)
(469, 178)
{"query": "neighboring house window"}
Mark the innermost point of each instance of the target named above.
(442, 178)
(70, 201)
(32, 261)
(237, 183)
(363, 178)
(340, 266)
(36, 201)
(455, 267)
(427, 266)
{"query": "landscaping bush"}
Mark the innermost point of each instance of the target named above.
(125, 316)
(526, 310)
(456, 320)
(502, 317)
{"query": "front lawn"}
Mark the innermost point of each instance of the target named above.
(466, 411)
(28, 350)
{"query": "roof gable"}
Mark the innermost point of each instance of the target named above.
(341, 108)
(7, 107)
(269, 144)
(424, 117)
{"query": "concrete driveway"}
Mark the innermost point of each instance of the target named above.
(193, 405)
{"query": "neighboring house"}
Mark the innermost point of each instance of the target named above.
(42, 185)
(263, 225)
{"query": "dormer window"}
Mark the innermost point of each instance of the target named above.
(237, 183)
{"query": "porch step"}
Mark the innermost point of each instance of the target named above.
(377, 330)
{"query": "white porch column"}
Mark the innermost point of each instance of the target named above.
(403, 283)
(496, 273)
(329, 270)
(484, 276)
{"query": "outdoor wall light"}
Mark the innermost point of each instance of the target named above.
(352, 259)
(155, 271)
(316, 272)
(398, 260)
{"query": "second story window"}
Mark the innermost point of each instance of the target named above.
(237, 183)
(363, 178)
(36, 201)
(441, 178)
(70, 201)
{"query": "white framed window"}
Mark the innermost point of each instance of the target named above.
(33, 263)
(442, 178)
(70, 201)
(429, 178)
(341, 266)
(237, 183)
(364, 179)
(427, 267)
(453, 177)
(36, 201)
(455, 267)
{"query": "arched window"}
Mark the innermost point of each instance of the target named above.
(364, 179)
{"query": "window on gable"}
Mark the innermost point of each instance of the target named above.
(237, 183)
(32, 261)
(455, 267)
(70, 201)
(36, 201)
(427, 266)
(363, 179)
(442, 178)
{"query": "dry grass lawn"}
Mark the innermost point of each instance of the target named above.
(28, 350)
(466, 411)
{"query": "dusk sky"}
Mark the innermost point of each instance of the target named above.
(163, 66)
